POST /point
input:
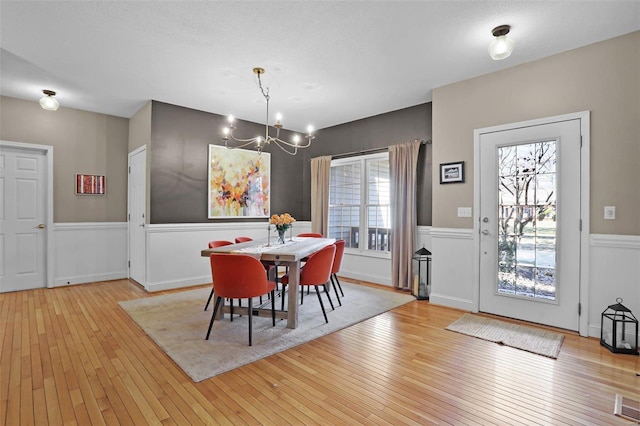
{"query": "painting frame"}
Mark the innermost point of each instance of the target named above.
(452, 172)
(238, 183)
(88, 184)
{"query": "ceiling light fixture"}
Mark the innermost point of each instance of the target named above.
(502, 46)
(48, 101)
(291, 148)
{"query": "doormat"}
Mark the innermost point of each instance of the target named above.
(627, 408)
(530, 339)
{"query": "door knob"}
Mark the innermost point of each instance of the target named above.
(41, 226)
(485, 232)
(142, 225)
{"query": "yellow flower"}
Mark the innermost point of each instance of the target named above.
(282, 221)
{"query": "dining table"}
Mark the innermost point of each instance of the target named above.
(289, 254)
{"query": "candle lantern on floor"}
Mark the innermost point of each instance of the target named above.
(619, 329)
(422, 282)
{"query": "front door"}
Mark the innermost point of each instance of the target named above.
(530, 214)
(23, 218)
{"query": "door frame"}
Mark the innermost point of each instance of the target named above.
(584, 117)
(136, 151)
(48, 153)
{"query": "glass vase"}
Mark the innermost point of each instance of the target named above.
(281, 233)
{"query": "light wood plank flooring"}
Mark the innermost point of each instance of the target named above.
(71, 355)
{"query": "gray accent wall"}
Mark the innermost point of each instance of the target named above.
(379, 131)
(180, 138)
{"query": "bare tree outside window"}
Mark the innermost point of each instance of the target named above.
(527, 220)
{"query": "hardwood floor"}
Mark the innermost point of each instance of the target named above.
(71, 355)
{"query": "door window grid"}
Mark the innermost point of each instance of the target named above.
(527, 220)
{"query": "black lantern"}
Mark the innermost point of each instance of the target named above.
(616, 321)
(422, 283)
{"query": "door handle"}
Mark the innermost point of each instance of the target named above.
(142, 225)
(485, 232)
(41, 226)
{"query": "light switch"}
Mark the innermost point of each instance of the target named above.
(609, 212)
(464, 211)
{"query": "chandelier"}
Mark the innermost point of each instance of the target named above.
(291, 148)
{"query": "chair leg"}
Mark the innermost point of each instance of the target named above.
(213, 317)
(250, 319)
(339, 286)
(209, 299)
(328, 297)
(334, 290)
(322, 305)
(302, 294)
(231, 309)
(282, 296)
(273, 307)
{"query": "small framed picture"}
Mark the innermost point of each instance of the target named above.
(452, 172)
(90, 184)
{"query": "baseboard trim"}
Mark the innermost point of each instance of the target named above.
(89, 279)
(451, 302)
(172, 285)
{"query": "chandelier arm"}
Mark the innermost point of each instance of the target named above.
(233, 138)
(278, 143)
(247, 142)
(293, 145)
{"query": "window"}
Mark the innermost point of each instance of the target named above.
(359, 204)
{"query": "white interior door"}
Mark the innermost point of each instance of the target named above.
(23, 219)
(136, 216)
(530, 213)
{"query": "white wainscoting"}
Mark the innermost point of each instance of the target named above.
(614, 271)
(89, 252)
(452, 274)
(173, 251)
(377, 268)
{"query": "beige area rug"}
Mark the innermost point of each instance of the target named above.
(178, 324)
(531, 339)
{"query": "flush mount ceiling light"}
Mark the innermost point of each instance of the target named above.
(502, 46)
(260, 142)
(48, 101)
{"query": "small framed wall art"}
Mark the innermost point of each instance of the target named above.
(90, 184)
(452, 172)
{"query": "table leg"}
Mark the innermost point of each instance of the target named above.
(294, 288)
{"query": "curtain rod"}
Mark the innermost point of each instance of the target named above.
(370, 151)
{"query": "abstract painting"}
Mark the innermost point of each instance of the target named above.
(238, 183)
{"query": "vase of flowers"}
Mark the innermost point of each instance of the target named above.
(282, 222)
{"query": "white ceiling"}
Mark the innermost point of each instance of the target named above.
(327, 62)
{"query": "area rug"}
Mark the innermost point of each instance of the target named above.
(531, 339)
(178, 325)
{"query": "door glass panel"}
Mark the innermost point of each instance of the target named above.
(527, 220)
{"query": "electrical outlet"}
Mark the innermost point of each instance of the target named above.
(464, 211)
(609, 212)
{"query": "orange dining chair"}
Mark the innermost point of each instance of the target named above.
(317, 272)
(310, 234)
(214, 244)
(240, 276)
(243, 239)
(337, 262)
